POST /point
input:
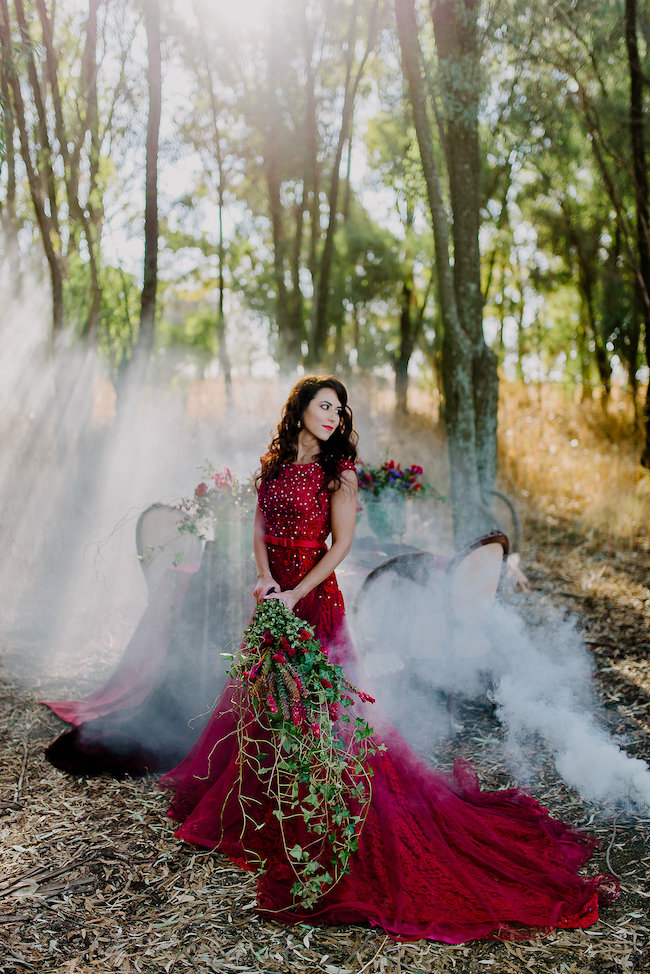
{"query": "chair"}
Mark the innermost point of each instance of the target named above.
(163, 541)
(436, 621)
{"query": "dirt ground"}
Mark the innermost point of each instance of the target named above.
(92, 878)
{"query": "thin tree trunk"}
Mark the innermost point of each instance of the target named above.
(150, 278)
(224, 357)
(637, 138)
(320, 318)
(289, 353)
(411, 322)
(8, 207)
(46, 223)
(81, 215)
(405, 351)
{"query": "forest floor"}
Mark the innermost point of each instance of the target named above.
(93, 880)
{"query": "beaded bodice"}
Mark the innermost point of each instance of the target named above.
(297, 504)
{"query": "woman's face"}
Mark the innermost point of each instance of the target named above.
(323, 414)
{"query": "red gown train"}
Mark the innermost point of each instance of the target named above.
(437, 857)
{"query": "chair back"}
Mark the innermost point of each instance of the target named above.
(473, 577)
(456, 595)
(161, 543)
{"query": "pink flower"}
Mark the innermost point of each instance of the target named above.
(416, 470)
(279, 657)
(366, 697)
(315, 728)
(201, 490)
(272, 704)
(325, 682)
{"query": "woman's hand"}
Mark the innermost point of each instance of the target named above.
(265, 584)
(290, 598)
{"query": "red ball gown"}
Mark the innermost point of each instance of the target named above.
(437, 858)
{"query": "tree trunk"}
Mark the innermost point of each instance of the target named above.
(224, 357)
(84, 216)
(456, 34)
(47, 225)
(637, 138)
(8, 219)
(469, 368)
(405, 348)
(411, 322)
(144, 346)
(321, 297)
(288, 352)
(289, 341)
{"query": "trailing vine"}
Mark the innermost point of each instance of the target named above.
(319, 779)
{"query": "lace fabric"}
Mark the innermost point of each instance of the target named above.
(437, 857)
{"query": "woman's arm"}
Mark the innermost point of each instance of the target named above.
(265, 580)
(344, 516)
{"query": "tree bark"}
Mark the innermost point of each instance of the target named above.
(637, 138)
(469, 368)
(144, 345)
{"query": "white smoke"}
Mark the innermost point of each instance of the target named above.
(543, 687)
(419, 654)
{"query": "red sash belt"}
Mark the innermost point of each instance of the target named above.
(293, 542)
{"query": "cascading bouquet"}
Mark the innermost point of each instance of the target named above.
(319, 779)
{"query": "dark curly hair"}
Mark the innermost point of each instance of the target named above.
(342, 444)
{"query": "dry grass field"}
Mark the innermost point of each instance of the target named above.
(92, 879)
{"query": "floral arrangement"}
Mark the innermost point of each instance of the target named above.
(390, 476)
(220, 496)
(318, 779)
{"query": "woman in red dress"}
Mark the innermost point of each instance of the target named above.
(437, 857)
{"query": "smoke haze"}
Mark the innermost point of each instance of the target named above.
(538, 678)
(73, 481)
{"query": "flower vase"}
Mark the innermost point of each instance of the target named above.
(387, 516)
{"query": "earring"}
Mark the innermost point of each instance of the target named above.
(299, 425)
